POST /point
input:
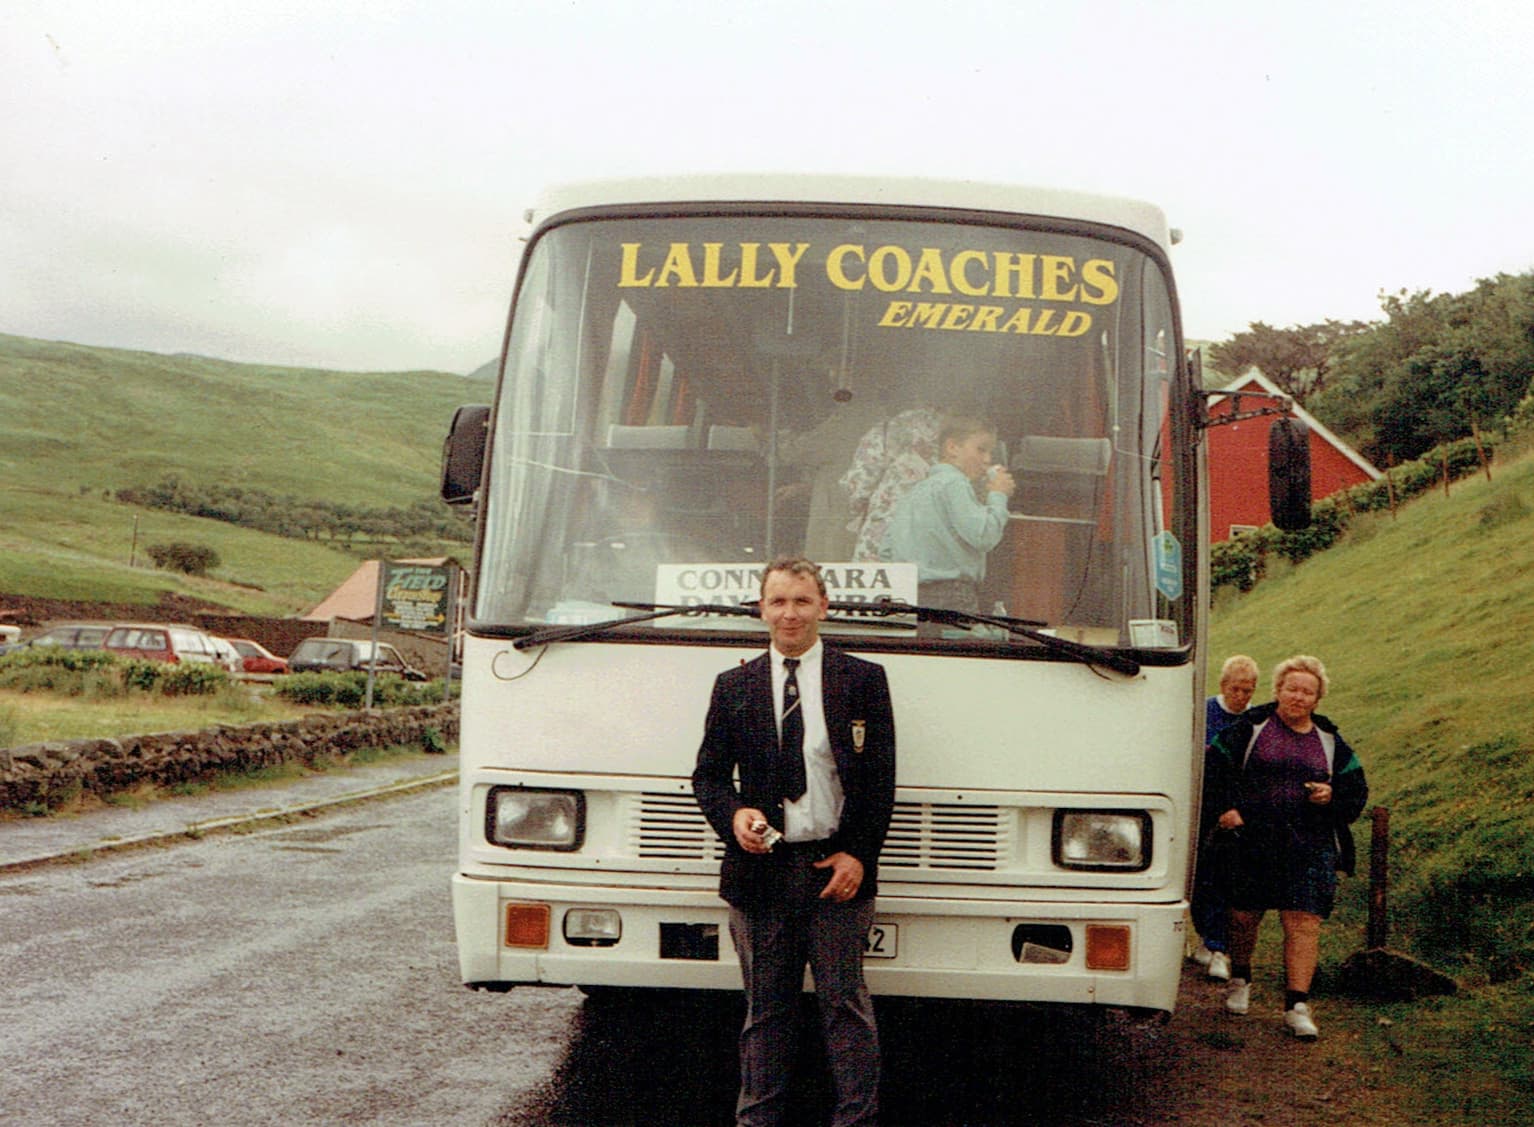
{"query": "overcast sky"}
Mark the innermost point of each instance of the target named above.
(341, 184)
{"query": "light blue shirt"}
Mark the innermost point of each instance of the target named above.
(944, 528)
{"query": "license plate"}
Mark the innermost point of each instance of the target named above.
(882, 941)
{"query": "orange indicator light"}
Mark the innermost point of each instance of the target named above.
(1107, 947)
(527, 925)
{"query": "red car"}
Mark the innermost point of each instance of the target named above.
(257, 658)
(164, 642)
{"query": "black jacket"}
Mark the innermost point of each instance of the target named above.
(1225, 761)
(741, 733)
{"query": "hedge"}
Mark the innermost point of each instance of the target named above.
(1242, 561)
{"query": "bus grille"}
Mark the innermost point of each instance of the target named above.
(672, 826)
(921, 836)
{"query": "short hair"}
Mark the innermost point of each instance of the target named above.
(956, 428)
(1300, 663)
(1238, 665)
(795, 565)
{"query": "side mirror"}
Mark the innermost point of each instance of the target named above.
(463, 454)
(1289, 474)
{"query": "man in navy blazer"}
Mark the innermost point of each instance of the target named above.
(806, 899)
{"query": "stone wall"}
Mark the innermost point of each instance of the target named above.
(55, 771)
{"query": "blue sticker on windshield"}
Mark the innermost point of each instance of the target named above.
(1168, 565)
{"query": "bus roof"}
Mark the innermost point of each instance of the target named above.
(1134, 215)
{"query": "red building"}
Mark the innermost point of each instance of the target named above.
(1238, 461)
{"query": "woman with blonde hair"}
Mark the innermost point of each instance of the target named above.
(1287, 786)
(1211, 913)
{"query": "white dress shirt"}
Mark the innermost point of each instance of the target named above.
(818, 813)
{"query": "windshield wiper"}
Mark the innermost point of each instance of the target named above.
(877, 609)
(589, 629)
(653, 611)
(1020, 627)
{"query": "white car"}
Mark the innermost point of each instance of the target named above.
(228, 656)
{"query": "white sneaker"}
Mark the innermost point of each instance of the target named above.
(1239, 1000)
(1300, 1022)
(1202, 955)
(1219, 966)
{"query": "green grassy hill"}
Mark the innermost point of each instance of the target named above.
(1425, 622)
(78, 423)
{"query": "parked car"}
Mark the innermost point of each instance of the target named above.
(338, 655)
(256, 658)
(70, 636)
(158, 642)
(228, 656)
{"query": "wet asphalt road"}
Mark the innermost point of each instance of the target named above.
(306, 974)
(297, 974)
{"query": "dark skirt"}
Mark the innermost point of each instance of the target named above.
(1272, 869)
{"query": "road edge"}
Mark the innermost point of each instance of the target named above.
(228, 823)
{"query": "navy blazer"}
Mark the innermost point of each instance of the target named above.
(741, 734)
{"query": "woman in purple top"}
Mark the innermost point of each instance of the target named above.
(1288, 786)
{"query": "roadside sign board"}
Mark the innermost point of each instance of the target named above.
(416, 596)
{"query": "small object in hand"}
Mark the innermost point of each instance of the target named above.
(770, 836)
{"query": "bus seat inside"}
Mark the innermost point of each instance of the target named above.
(1058, 478)
(732, 438)
(648, 438)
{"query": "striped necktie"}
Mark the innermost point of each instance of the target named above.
(791, 740)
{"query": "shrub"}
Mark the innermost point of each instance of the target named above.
(192, 679)
(57, 657)
(1242, 561)
(97, 674)
(142, 675)
(178, 555)
(56, 670)
(349, 690)
(307, 688)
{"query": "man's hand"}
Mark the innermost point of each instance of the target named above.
(846, 876)
(750, 840)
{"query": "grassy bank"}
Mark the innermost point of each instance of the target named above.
(28, 718)
(1425, 621)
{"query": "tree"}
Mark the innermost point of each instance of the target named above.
(1298, 359)
(1364, 364)
(1452, 362)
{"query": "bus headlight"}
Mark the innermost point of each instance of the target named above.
(1111, 840)
(593, 927)
(520, 818)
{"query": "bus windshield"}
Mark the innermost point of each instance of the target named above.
(688, 396)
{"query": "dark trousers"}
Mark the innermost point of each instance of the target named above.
(774, 946)
(1210, 908)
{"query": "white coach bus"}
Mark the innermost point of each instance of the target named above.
(702, 374)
